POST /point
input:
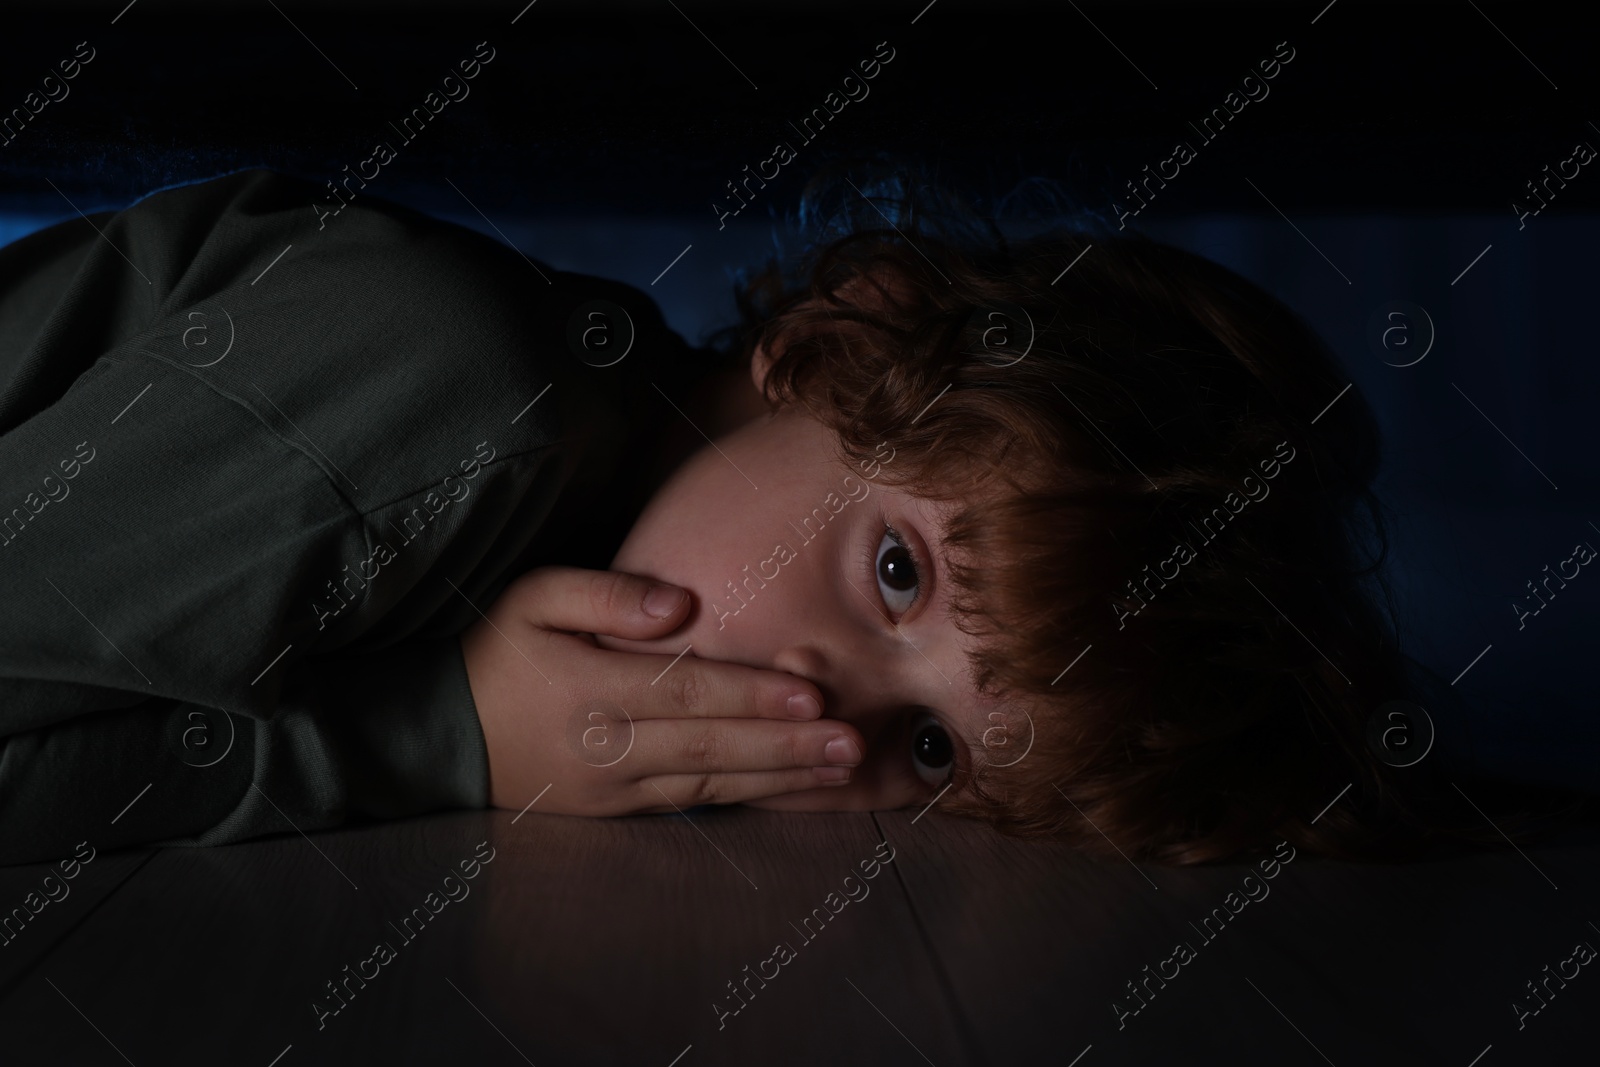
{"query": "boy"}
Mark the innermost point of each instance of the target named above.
(274, 590)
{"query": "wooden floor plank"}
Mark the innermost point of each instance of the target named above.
(41, 903)
(605, 941)
(1334, 962)
(580, 941)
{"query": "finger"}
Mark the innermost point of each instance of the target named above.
(681, 791)
(649, 686)
(598, 602)
(725, 746)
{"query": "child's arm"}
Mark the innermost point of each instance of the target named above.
(169, 624)
(265, 544)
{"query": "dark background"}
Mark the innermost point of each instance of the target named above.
(625, 109)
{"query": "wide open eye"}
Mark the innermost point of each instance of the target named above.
(896, 572)
(933, 754)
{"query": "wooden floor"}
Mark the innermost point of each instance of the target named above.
(615, 942)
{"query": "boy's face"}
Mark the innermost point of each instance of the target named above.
(823, 592)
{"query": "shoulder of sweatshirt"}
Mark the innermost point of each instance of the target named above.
(399, 342)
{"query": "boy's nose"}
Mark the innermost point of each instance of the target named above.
(852, 691)
(808, 662)
(841, 684)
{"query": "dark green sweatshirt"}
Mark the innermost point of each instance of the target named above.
(256, 474)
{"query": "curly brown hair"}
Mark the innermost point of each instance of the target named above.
(1097, 406)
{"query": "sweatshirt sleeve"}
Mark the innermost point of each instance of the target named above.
(237, 548)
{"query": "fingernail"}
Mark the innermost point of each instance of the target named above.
(663, 600)
(832, 775)
(804, 706)
(842, 750)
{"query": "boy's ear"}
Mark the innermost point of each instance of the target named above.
(760, 364)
